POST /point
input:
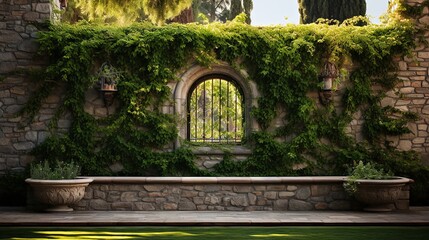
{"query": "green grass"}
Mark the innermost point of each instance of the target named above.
(228, 233)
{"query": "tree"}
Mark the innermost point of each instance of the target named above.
(240, 6)
(311, 10)
(125, 11)
(158, 11)
(223, 10)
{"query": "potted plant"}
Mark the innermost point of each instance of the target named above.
(58, 187)
(373, 187)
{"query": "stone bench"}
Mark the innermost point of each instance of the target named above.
(221, 193)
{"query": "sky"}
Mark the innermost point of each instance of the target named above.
(268, 12)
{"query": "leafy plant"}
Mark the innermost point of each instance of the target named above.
(61, 170)
(364, 171)
(284, 62)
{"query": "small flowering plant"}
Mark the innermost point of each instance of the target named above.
(61, 170)
(364, 171)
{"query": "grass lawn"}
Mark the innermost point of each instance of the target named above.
(227, 233)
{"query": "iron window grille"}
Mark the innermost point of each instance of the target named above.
(215, 110)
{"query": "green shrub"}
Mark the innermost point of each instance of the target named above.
(61, 170)
(364, 171)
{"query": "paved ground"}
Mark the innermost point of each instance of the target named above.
(20, 217)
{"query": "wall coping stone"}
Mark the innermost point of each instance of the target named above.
(219, 180)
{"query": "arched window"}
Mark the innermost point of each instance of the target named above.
(215, 110)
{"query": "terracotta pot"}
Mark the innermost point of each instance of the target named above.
(379, 195)
(59, 194)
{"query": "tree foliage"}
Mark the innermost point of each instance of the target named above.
(125, 11)
(224, 10)
(160, 10)
(311, 10)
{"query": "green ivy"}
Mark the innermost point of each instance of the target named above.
(284, 61)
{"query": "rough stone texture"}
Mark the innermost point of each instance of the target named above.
(162, 193)
(188, 197)
(17, 47)
(17, 43)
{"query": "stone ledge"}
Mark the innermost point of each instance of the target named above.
(221, 180)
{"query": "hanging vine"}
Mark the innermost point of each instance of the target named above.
(284, 61)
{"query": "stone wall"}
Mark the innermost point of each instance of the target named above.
(412, 93)
(19, 21)
(220, 194)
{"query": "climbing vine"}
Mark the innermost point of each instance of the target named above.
(284, 61)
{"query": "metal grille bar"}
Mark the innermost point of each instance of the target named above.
(216, 113)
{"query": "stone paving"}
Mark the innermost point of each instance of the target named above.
(20, 217)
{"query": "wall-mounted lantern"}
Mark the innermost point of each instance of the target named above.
(108, 78)
(327, 76)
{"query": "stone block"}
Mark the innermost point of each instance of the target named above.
(31, 16)
(286, 194)
(320, 190)
(303, 193)
(129, 197)
(24, 146)
(198, 200)
(142, 206)
(154, 187)
(212, 200)
(189, 194)
(321, 206)
(148, 199)
(6, 67)
(170, 206)
(405, 145)
(212, 188)
(113, 196)
(298, 205)
(407, 90)
(242, 189)
(12, 162)
(240, 201)
(210, 164)
(31, 136)
(280, 205)
(99, 204)
(186, 206)
(424, 20)
(173, 198)
(10, 36)
(291, 188)
(122, 206)
(99, 194)
(201, 207)
(270, 195)
(43, 7)
(42, 136)
(276, 187)
(155, 194)
(7, 57)
(252, 198)
(317, 199)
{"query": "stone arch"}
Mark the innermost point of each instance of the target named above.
(196, 72)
